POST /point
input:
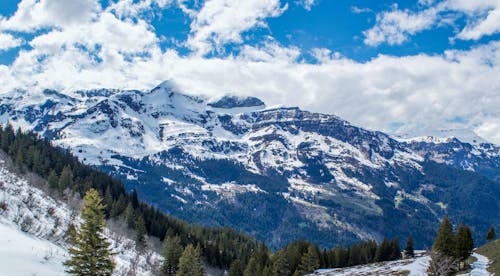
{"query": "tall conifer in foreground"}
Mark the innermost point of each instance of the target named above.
(445, 241)
(90, 252)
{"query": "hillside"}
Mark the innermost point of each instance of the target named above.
(492, 251)
(277, 173)
(33, 227)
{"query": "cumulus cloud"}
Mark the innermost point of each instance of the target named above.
(396, 26)
(8, 41)
(121, 50)
(222, 21)
(32, 15)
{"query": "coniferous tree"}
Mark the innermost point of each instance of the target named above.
(280, 265)
(469, 241)
(491, 234)
(409, 251)
(253, 267)
(190, 262)
(395, 250)
(384, 251)
(460, 244)
(130, 215)
(71, 234)
(90, 252)
(309, 262)
(53, 180)
(66, 179)
(140, 233)
(236, 268)
(172, 251)
(444, 242)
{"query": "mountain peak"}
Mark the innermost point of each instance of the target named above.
(229, 102)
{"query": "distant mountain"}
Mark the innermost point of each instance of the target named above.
(279, 174)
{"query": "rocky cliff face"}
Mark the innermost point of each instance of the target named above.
(279, 174)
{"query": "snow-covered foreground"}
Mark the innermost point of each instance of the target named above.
(32, 229)
(479, 267)
(415, 267)
(24, 254)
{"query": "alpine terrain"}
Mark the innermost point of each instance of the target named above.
(277, 173)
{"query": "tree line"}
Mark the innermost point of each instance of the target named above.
(187, 246)
(64, 172)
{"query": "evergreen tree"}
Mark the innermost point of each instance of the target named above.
(280, 265)
(90, 253)
(309, 262)
(53, 180)
(395, 250)
(236, 268)
(253, 267)
(460, 244)
(469, 241)
(190, 262)
(140, 233)
(491, 234)
(66, 179)
(444, 242)
(71, 234)
(409, 252)
(172, 251)
(383, 251)
(130, 215)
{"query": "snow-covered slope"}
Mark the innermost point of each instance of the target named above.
(277, 173)
(412, 267)
(33, 226)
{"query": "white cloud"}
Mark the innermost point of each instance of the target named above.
(307, 4)
(123, 52)
(32, 15)
(396, 26)
(222, 21)
(8, 41)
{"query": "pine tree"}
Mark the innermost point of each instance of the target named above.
(395, 250)
(460, 244)
(444, 242)
(253, 267)
(409, 252)
(90, 253)
(140, 233)
(491, 234)
(172, 251)
(309, 262)
(469, 241)
(190, 262)
(383, 251)
(129, 215)
(71, 234)
(53, 180)
(280, 265)
(236, 268)
(66, 179)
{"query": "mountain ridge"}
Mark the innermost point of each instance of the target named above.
(292, 172)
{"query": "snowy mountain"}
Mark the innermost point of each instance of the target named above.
(33, 227)
(277, 173)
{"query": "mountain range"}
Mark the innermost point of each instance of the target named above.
(277, 173)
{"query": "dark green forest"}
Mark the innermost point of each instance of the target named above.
(220, 247)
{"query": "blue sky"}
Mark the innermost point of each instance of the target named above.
(397, 66)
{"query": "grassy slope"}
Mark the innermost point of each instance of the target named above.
(492, 251)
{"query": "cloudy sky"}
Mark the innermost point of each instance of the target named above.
(385, 65)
